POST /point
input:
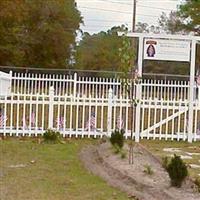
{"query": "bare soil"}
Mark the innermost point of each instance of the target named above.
(132, 179)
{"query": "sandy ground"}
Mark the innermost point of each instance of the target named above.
(132, 179)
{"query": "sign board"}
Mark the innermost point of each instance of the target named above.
(5, 84)
(165, 49)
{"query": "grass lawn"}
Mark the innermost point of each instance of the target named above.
(157, 146)
(55, 173)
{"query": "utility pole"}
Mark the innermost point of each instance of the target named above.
(134, 16)
(134, 42)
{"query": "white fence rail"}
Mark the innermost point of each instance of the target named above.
(85, 107)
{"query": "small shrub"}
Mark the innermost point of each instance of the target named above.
(177, 171)
(165, 162)
(116, 149)
(123, 154)
(117, 138)
(197, 183)
(148, 170)
(51, 136)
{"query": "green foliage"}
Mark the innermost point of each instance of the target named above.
(117, 138)
(51, 136)
(197, 183)
(148, 170)
(165, 162)
(186, 19)
(123, 154)
(119, 150)
(189, 16)
(126, 54)
(37, 33)
(116, 149)
(177, 171)
(100, 51)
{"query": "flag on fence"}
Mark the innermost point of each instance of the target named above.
(198, 129)
(91, 122)
(32, 119)
(120, 123)
(60, 122)
(24, 123)
(3, 119)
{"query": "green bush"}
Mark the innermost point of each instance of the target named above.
(116, 149)
(51, 136)
(117, 138)
(148, 170)
(177, 171)
(165, 162)
(197, 183)
(123, 154)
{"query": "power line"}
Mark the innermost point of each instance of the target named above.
(101, 20)
(116, 11)
(122, 3)
(99, 26)
(155, 8)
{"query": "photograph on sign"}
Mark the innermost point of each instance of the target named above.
(169, 50)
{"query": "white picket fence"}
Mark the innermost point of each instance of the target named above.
(93, 107)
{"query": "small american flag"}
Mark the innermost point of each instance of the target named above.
(90, 125)
(24, 123)
(32, 119)
(120, 123)
(198, 129)
(60, 122)
(3, 120)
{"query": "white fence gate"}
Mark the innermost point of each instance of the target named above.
(93, 107)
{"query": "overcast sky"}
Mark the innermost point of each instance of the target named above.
(100, 15)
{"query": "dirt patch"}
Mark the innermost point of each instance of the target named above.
(131, 178)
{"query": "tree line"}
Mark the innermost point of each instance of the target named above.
(42, 34)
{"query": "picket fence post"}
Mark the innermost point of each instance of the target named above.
(51, 102)
(75, 80)
(109, 119)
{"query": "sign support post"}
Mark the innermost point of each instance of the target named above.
(191, 91)
(139, 90)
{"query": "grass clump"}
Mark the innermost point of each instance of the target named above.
(165, 162)
(148, 170)
(177, 171)
(123, 154)
(52, 136)
(116, 149)
(197, 183)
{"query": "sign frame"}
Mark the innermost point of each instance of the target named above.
(193, 40)
(167, 50)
